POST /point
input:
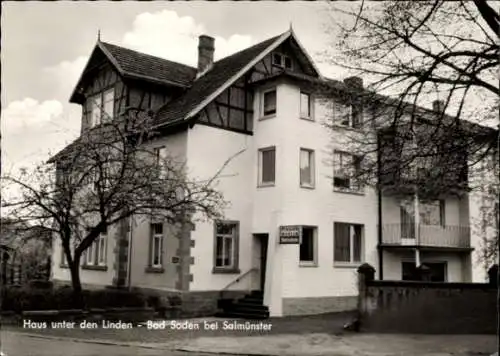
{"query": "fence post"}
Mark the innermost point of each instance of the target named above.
(493, 275)
(366, 273)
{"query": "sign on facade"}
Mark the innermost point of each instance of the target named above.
(290, 234)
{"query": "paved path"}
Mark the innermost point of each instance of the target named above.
(22, 344)
(348, 345)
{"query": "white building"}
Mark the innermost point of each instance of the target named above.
(262, 106)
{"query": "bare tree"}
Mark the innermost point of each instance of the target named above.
(413, 53)
(108, 175)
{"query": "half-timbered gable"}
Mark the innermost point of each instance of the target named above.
(286, 57)
(232, 109)
(115, 78)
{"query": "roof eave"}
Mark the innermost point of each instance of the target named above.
(235, 77)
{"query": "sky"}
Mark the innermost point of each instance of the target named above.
(45, 46)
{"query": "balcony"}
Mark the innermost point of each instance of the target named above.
(427, 236)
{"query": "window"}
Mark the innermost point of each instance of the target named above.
(305, 106)
(95, 104)
(90, 255)
(96, 252)
(430, 213)
(156, 245)
(277, 59)
(281, 60)
(353, 117)
(267, 166)
(160, 154)
(347, 169)
(306, 168)
(109, 98)
(226, 246)
(437, 271)
(101, 107)
(269, 103)
(307, 252)
(348, 243)
(101, 248)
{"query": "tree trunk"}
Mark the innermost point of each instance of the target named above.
(74, 268)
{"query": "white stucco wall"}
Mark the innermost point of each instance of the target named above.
(208, 149)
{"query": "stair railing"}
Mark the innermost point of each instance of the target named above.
(237, 280)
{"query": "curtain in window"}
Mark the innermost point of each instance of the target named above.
(270, 102)
(342, 243)
(305, 105)
(305, 167)
(108, 105)
(268, 165)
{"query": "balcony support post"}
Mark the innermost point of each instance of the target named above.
(417, 229)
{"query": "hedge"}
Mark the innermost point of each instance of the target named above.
(19, 299)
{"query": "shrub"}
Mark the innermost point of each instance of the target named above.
(21, 298)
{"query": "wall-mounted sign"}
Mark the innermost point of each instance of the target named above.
(290, 234)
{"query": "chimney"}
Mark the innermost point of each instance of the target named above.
(438, 106)
(206, 51)
(354, 83)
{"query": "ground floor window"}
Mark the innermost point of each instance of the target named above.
(308, 246)
(437, 271)
(226, 246)
(96, 252)
(348, 240)
(156, 245)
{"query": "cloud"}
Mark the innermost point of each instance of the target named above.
(165, 34)
(31, 130)
(29, 113)
(65, 76)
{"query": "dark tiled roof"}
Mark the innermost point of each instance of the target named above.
(145, 66)
(220, 73)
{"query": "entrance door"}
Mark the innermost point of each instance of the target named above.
(263, 241)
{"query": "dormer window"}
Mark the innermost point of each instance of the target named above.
(101, 107)
(352, 117)
(282, 61)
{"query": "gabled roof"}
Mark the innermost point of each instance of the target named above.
(144, 66)
(222, 75)
(140, 66)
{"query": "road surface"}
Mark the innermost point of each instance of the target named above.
(19, 344)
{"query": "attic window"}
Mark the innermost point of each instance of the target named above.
(280, 60)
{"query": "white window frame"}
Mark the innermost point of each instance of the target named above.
(349, 121)
(312, 168)
(233, 237)
(101, 246)
(107, 117)
(314, 262)
(156, 237)
(97, 102)
(90, 255)
(340, 169)
(310, 115)
(263, 115)
(283, 58)
(352, 233)
(95, 109)
(261, 182)
(161, 155)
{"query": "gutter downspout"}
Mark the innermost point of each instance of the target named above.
(379, 206)
(129, 269)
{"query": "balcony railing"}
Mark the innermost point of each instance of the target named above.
(427, 235)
